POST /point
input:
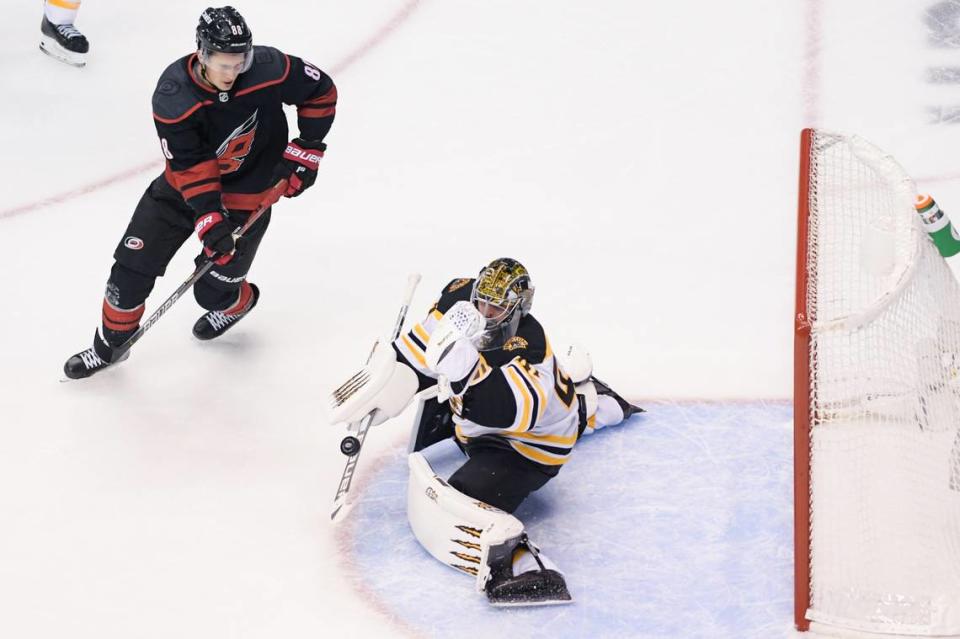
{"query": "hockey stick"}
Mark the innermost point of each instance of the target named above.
(340, 505)
(272, 197)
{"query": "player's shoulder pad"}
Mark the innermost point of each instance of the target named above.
(270, 66)
(457, 290)
(530, 343)
(175, 98)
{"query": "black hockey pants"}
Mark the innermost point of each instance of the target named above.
(160, 225)
(499, 477)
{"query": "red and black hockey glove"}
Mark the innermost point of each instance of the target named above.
(215, 230)
(299, 165)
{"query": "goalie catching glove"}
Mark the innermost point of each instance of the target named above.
(452, 352)
(384, 385)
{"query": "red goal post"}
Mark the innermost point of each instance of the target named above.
(876, 402)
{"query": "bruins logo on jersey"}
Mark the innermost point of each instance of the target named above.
(514, 343)
(458, 284)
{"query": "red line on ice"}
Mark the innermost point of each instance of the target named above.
(381, 34)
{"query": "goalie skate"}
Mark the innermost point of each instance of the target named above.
(534, 588)
(627, 408)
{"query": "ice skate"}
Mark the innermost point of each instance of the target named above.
(93, 360)
(64, 42)
(215, 323)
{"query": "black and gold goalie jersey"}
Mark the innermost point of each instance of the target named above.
(518, 397)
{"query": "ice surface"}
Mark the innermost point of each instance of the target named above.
(640, 158)
(677, 523)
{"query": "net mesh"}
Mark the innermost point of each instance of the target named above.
(884, 450)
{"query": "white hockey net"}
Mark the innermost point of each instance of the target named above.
(878, 348)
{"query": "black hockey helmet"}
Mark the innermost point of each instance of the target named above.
(223, 30)
(503, 293)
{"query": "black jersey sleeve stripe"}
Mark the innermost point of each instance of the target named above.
(416, 340)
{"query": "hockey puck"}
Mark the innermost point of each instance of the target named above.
(350, 446)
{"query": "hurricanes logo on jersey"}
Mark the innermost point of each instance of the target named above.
(236, 147)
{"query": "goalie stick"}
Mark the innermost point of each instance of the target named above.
(340, 504)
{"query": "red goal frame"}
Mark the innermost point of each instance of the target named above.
(801, 398)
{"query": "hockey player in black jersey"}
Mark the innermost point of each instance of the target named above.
(514, 408)
(223, 131)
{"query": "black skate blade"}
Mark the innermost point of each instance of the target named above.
(633, 410)
(57, 52)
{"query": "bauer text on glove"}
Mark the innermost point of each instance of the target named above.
(299, 165)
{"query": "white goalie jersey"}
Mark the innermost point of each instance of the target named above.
(518, 396)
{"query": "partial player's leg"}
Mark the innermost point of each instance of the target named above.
(433, 423)
(519, 573)
(59, 37)
(470, 535)
(499, 477)
(224, 291)
(159, 226)
(604, 407)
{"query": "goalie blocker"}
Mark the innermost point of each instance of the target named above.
(384, 385)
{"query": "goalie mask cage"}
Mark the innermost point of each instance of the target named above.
(876, 448)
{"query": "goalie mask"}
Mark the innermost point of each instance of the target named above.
(503, 293)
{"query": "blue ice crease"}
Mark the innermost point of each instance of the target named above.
(677, 523)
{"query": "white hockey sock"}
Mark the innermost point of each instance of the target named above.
(524, 561)
(608, 412)
(61, 11)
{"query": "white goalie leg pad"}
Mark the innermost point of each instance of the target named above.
(384, 385)
(575, 362)
(457, 530)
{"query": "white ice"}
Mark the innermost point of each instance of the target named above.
(640, 158)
